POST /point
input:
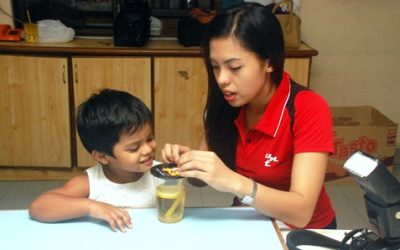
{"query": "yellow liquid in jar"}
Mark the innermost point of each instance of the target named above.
(170, 203)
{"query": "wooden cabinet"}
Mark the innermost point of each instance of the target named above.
(92, 74)
(298, 69)
(180, 91)
(34, 111)
(35, 105)
(41, 86)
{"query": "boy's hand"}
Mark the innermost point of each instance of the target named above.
(117, 218)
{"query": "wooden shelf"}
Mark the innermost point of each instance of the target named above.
(82, 46)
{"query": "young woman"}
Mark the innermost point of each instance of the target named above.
(267, 139)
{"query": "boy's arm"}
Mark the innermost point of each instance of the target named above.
(66, 202)
(71, 201)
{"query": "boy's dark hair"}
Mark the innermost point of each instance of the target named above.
(105, 116)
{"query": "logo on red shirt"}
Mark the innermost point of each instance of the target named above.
(270, 158)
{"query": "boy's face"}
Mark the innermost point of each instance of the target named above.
(134, 152)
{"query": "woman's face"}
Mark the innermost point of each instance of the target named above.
(241, 76)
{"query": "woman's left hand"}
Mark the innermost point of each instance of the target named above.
(208, 167)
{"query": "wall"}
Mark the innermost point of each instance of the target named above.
(5, 5)
(359, 52)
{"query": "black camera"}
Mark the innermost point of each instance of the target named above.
(382, 200)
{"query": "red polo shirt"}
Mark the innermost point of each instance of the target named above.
(265, 153)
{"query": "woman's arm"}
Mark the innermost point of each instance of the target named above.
(294, 207)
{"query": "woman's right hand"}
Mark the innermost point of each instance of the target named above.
(205, 166)
(172, 152)
(117, 218)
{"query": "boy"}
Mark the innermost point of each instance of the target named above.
(117, 129)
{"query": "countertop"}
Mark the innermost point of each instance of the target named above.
(105, 46)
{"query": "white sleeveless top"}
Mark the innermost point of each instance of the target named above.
(138, 194)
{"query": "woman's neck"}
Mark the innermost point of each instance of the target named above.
(255, 109)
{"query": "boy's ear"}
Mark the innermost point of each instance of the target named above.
(100, 157)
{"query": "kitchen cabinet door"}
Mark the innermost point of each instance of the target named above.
(34, 111)
(91, 74)
(180, 91)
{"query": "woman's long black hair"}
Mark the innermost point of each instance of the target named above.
(257, 30)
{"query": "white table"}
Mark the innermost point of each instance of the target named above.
(201, 229)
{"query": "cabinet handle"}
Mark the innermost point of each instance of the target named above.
(63, 75)
(76, 73)
(183, 74)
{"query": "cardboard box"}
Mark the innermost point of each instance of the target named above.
(360, 128)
